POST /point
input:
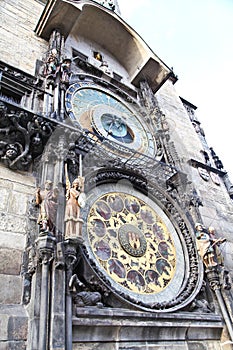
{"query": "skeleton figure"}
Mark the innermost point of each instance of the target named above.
(65, 70)
(51, 63)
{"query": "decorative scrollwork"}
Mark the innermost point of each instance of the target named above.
(22, 136)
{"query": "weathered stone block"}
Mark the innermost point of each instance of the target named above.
(13, 345)
(207, 345)
(16, 223)
(142, 346)
(4, 345)
(26, 17)
(160, 346)
(131, 346)
(196, 346)
(9, 179)
(14, 240)
(18, 203)
(17, 328)
(167, 346)
(228, 253)
(4, 327)
(3, 182)
(10, 261)
(58, 322)
(3, 221)
(95, 346)
(13, 327)
(4, 195)
(27, 187)
(11, 287)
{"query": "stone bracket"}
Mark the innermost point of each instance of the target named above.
(196, 164)
(126, 326)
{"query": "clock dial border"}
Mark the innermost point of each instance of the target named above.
(173, 289)
(84, 101)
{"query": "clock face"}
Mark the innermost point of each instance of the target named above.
(107, 116)
(134, 244)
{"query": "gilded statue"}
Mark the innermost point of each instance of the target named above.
(75, 200)
(208, 246)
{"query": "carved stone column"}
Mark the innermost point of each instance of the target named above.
(71, 255)
(45, 249)
(228, 185)
(57, 337)
(147, 96)
(214, 281)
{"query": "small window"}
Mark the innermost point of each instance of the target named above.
(76, 53)
(10, 96)
(117, 76)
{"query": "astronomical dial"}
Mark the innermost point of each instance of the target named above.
(135, 245)
(107, 116)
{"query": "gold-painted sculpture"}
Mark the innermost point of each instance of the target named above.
(208, 246)
(132, 243)
(75, 197)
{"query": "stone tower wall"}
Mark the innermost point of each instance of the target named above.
(17, 189)
(216, 209)
(20, 47)
(15, 193)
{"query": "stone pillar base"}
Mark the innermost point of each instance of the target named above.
(77, 233)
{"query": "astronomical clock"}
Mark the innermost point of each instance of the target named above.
(136, 250)
(133, 242)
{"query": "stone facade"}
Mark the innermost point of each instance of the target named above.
(217, 205)
(54, 292)
(15, 195)
(18, 24)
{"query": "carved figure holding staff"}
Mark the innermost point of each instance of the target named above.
(204, 246)
(47, 201)
(207, 245)
(216, 242)
(75, 200)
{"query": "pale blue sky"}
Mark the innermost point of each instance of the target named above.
(195, 38)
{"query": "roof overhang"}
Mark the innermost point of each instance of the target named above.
(98, 24)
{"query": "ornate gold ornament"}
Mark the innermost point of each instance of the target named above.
(134, 245)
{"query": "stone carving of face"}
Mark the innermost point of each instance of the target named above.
(11, 151)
